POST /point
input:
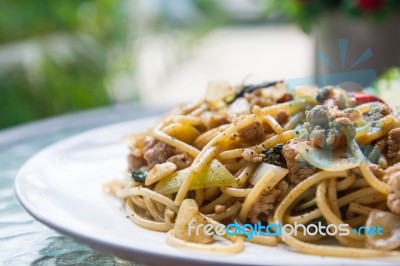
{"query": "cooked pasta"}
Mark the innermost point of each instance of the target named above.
(262, 155)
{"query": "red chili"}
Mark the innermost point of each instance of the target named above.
(362, 97)
(286, 98)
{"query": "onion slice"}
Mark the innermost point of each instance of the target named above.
(327, 159)
(390, 224)
(263, 169)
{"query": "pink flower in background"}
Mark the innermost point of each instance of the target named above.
(370, 5)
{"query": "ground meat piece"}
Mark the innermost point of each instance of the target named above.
(393, 177)
(384, 109)
(251, 156)
(351, 114)
(381, 144)
(298, 168)
(377, 170)
(318, 116)
(383, 163)
(376, 114)
(149, 142)
(330, 127)
(317, 137)
(265, 204)
(253, 132)
(352, 102)
(393, 153)
(219, 208)
(156, 152)
(181, 160)
(378, 153)
(344, 121)
(282, 117)
(135, 162)
(333, 140)
(343, 126)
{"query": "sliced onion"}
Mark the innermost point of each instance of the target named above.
(326, 159)
(188, 212)
(390, 224)
(218, 91)
(263, 169)
(239, 107)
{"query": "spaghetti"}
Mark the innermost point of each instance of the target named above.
(268, 157)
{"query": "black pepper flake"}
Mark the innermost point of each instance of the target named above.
(274, 156)
(139, 175)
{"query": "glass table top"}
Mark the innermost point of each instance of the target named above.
(23, 240)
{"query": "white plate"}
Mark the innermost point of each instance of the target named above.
(62, 187)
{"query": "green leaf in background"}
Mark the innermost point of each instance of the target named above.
(307, 12)
(57, 56)
(388, 87)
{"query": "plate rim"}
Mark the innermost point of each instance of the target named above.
(120, 251)
(136, 253)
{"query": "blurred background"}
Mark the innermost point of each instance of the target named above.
(70, 55)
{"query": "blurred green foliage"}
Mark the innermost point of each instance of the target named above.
(388, 86)
(391, 74)
(56, 56)
(307, 12)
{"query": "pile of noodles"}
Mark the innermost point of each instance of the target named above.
(220, 186)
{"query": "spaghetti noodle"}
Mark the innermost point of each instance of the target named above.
(268, 157)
